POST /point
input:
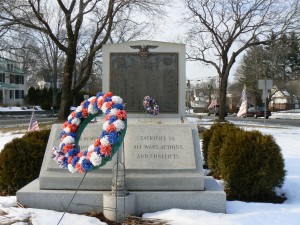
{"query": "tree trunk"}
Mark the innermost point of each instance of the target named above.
(67, 95)
(54, 80)
(222, 95)
(54, 94)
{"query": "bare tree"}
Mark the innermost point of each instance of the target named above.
(51, 57)
(208, 87)
(36, 53)
(100, 17)
(20, 46)
(293, 87)
(220, 30)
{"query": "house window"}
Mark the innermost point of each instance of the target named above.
(19, 94)
(11, 94)
(12, 79)
(10, 66)
(19, 79)
(2, 78)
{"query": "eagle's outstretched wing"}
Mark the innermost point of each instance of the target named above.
(136, 47)
(143, 48)
(150, 46)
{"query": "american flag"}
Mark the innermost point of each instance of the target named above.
(212, 104)
(243, 108)
(33, 125)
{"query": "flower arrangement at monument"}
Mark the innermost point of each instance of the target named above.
(68, 154)
(150, 105)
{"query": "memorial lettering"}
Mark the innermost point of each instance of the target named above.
(134, 77)
(168, 149)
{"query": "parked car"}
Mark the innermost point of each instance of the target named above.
(258, 112)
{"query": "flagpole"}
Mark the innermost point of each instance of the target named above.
(30, 122)
(244, 106)
(33, 124)
(246, 110)
(246, 119)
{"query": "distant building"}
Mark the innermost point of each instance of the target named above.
(199, 100)
(12, 83)
(281, 100)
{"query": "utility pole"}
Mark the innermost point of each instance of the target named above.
(189, 94)
(265, 85)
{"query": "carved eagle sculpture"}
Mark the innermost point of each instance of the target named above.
(144, 49)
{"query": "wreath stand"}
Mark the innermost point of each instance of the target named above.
(113, 203)
(119, 202)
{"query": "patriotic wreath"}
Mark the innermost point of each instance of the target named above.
(150, 105)
(68, 154)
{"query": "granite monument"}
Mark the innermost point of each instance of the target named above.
(161, 153)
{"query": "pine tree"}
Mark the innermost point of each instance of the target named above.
(294, 56)
(278, 61)
(251, 70)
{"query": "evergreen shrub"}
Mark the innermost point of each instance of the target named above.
(206, 137)
(251, 165)
(21, 160)
(46, 105)
(218, 135)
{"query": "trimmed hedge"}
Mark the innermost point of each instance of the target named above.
(206, 137)
(251, 165)
(218, 135)
(21, 160)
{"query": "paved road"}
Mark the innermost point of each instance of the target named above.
(262, 121)
(22, 120)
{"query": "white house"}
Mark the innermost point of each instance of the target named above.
(281, 100)
(12, 83)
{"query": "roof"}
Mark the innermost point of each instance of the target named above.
(145, 42)
(4, 68)
(7, 86)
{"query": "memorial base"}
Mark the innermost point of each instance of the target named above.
(211, 199)
(116, 208)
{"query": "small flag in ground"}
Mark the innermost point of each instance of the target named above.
(243, 108)
(33, 125)
(212, 104)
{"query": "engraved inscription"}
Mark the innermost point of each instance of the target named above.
(84, 141)
(156, 75)
(159, 147)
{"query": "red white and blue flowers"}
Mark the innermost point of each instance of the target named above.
(150, 105)
(68, 154)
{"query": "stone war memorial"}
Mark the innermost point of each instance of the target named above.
(159, 164)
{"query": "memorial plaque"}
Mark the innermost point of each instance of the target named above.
(134, 76)
(158, 147)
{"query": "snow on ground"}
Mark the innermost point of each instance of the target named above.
(242, 213)
(17, 108)
(288, 114)
(238, 213)
(19, 216)
(7, 137)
